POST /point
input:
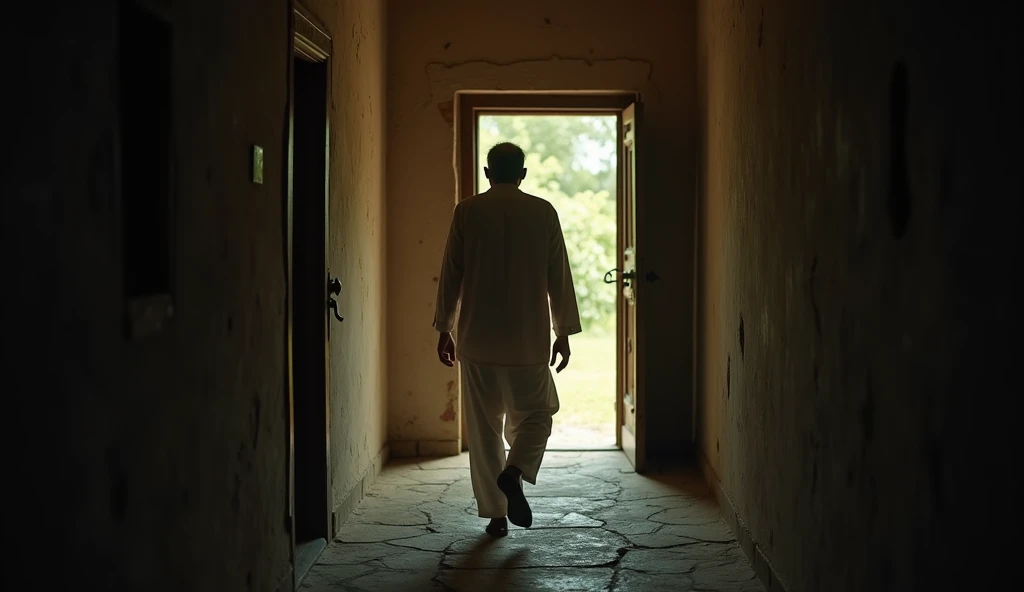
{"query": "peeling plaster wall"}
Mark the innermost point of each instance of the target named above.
(854, 336)
(437, 49)
(357, 243)
(161, 464)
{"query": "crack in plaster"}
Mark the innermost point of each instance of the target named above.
(435, 66)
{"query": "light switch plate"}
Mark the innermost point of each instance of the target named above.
(257, 164)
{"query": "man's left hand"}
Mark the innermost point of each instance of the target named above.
(446, 349)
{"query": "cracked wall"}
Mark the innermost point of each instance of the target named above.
(161, 464)
(853, 312)
(577, 45)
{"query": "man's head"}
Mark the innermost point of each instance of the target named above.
(505, 164)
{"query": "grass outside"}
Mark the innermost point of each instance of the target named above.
(586, 392)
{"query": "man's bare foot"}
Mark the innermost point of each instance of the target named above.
(498, 527)
(509, 483)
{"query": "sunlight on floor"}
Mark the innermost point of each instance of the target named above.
(597, 526)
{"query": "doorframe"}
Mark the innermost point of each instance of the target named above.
(470, 104)
(307, 39)
(636, 449)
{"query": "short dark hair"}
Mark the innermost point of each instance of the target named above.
(505, 163)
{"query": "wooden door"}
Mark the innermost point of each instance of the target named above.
(632, 421)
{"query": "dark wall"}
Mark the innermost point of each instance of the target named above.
(156, 463)
(858, 323)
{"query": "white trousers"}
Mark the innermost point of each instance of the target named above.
(525, 397)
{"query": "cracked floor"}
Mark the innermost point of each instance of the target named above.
(597, 526)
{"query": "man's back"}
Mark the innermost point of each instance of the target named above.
(504, 262)
(506, 251)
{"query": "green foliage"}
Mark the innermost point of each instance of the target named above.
(571, 162)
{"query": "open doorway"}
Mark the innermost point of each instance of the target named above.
(578, 141)
(572, 161)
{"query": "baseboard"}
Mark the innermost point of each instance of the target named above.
(306, 555)
(341, 511)
(424, 448)
(755, 554)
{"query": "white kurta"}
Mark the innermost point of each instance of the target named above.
(504, 260)
(506, 276)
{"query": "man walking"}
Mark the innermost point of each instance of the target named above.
(504, 268)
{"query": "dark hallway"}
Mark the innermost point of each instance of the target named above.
(826, 232)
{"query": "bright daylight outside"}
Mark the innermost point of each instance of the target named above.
(571, 161)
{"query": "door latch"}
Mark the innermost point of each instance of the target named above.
(609, 278)
(333, 287)
(334, 308)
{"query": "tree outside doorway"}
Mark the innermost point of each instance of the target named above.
(571, 162)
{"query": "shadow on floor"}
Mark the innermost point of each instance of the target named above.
(597, 526)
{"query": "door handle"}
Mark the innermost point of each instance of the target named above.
(333, 305)
(609, 277)
(333, 288)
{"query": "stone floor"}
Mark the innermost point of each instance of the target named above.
(597, 526)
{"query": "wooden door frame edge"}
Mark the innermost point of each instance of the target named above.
(311, 47)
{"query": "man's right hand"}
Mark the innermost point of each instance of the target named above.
(561, 346)
(446, 349)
